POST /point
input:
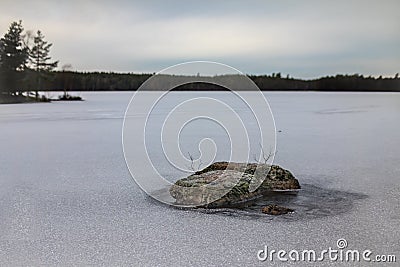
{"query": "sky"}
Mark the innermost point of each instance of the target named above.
(306, 39)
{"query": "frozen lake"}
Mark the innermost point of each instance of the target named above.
(67, 198)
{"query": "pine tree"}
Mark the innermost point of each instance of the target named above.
(40, 59)
(13, 58)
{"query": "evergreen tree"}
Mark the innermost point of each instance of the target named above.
(13, 58)
(40, 59)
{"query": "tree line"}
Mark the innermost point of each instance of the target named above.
(26, 66)
(339, 82)
(109, 81)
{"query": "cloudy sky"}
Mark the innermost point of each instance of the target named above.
(306, 39)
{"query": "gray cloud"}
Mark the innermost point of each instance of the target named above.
(303, 38)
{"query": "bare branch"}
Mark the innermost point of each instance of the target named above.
(200, 163)
(192, 163)
(265, 156)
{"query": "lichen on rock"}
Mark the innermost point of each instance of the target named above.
(203, 187)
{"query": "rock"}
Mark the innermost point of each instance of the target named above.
(204, 187)
(276, 210)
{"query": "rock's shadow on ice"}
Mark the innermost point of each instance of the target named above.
(310, 202)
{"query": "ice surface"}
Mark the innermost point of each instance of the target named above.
(66, 196)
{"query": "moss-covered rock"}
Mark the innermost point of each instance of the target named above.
(233, 181)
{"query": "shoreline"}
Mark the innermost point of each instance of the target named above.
(22, 99)
(31, 100)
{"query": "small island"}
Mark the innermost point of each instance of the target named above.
(26, 67)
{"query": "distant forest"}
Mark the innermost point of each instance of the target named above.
(102, 81)
(109, 81)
